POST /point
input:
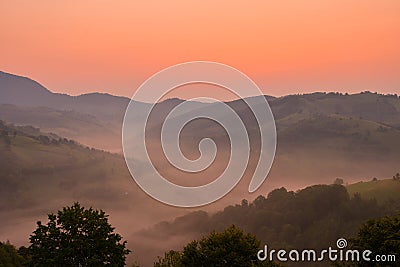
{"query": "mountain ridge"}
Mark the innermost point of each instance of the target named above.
(314, 95)
(97, 114)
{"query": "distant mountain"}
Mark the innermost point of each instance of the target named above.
(22, 91)
(367, 106)
(367, 120)
(93, 119)
(85, 128)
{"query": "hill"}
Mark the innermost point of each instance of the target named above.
(366, 105)
(381, 190)
(41, 172)
(19, 90)
(321, 136)
(96, 119)
(84, 128)
(36, 167)
(313, 217)
(25, 92)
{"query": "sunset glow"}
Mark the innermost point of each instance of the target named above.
(285, 46)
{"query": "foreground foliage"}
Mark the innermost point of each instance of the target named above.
(231, 247)
(381, 236)
(77, 237)
(9, 256)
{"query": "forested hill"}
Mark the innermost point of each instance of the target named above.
(44, 170)
(314, 217)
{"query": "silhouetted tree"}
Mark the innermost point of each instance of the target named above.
(9, 256)
(170, 259)
(381, 236)
(232, 247)
(77, 237)
(338, 181)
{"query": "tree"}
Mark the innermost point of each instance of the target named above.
(338, 181)
(381, 236)
(396, 177)
(24, 253)
(9, 256)
(6, 138)
(232, 247)
(171, 259)
(77, 237)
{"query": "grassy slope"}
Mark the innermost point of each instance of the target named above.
(86, 129)
(381, 190)
(33, 170)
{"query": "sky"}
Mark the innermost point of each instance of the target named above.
(286, 47)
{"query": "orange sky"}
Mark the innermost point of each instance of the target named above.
(286, 46)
